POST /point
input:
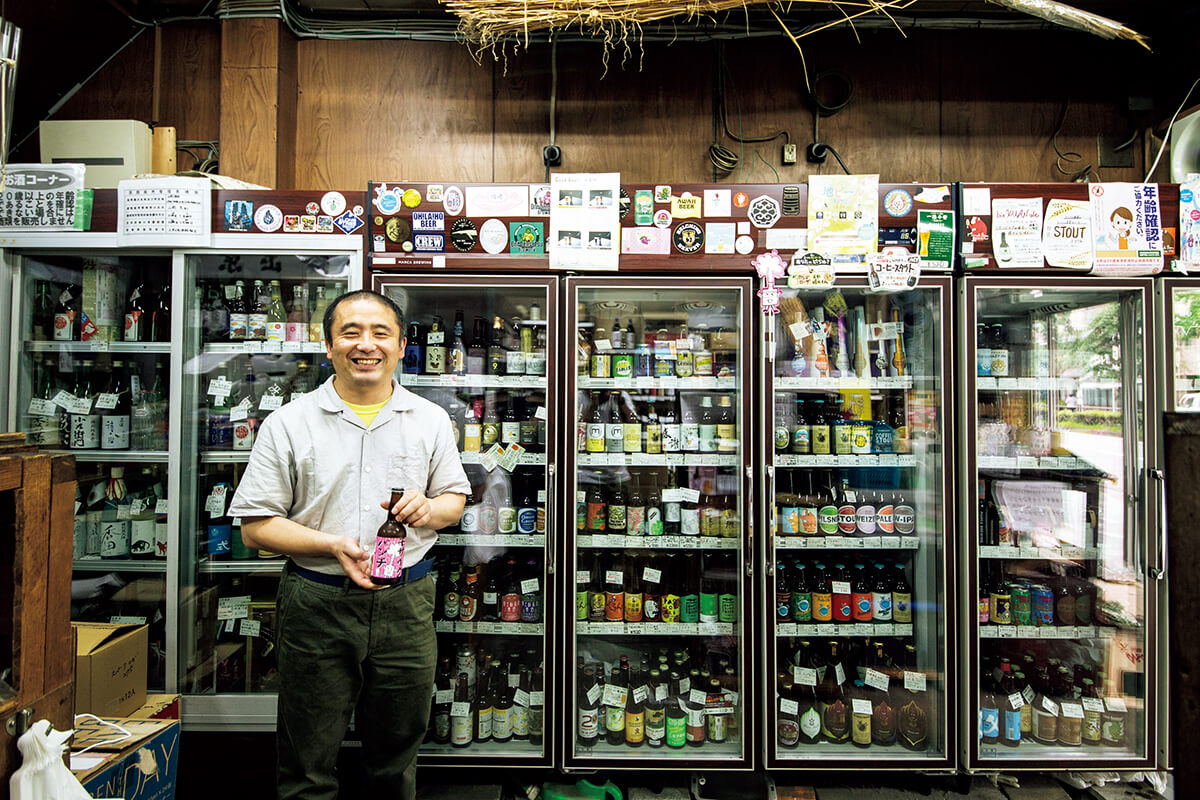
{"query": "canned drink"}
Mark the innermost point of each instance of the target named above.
(601, 365)
(622, 365)
(860, 437)
(1021, 604)
(645, 362)
(1043, 605)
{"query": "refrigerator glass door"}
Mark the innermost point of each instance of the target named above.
(1063, 627)
(857, 568)
(657, 652)
(483, 352)
(253, 341)
(1184, 311)
(92, 373)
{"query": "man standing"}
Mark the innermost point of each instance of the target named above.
(316, 489)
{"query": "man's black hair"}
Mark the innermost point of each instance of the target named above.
(367, 294)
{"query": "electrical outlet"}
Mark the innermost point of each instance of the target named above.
(789, 154)
(1108, 157)
(552, 155)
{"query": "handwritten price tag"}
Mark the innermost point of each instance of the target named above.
(250, 627)
(233, 607)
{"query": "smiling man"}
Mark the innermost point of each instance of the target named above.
(317, 488)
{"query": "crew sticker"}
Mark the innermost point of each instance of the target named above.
(429, 242)
(493, 236)
(688, 237)
(763, 211)
(428, 221)
(333, 203)
(412, 198)
(397, 230)
(527, 238)
(897, 203)
(268, 218)
(453, 200)
(463, 235)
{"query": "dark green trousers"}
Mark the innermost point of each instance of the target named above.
(348, 649)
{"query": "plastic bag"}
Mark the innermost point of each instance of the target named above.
(43, 775)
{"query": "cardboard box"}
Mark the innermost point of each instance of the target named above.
(142, 767)
(110, 668)
(159, 706)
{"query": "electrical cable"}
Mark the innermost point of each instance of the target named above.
(1167, 134)
(724, 160)
(1070, 157)
(819, 149)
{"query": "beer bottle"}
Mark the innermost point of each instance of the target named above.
(489, 606)
(860, 715)
(481, 708)
(801, 594)
(114, 407)
(276, 318)
(866, 513)
(820, 435)
(472, 430)
(614, 711)
(439, 718)
(822, 595)
(654, 512)
(835, 711)
(497, 357)
(801, 431)
(597, 510)
(458, 349)
(617, 510)
(633, 590)
(671, 589)
(296, 329)
(689, 599)
(671, 506)
(689, 429)
(708, 591)
(462, 723)
(469, 596)
(841, 594)
(912, 718)
(239, 314)
(387, 562)
(490, 428)
(989, 714)
(651, 583)
(635, 715)
(414, 350)
(587, 731)
(502, 706)
(635, 511)
(614, 591)
(435, 348)
(783, 593)
(860, 599)
(136, 328)
(901, 596)
(726, 430)
(652, 430)
(316, 321)
(676, 721)
(632, 426)
(510, 425)
(881, 596)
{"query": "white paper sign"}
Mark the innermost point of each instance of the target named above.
(1067, 234)
(804, 676)
(1126, 229)
(914, 681)
(250, 627)
(1017, 232)
(585, 223)
(233, 607)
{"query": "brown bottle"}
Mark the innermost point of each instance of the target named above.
(387, 562)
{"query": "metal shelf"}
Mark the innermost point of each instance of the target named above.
(225, 457)
(133, 348)
(655, 628)
(248, 565)
(476, 381)
(526, 459)
(124, 456)
(648, 382)
(494, 628)
(1046, 632)
(1045, 384)
(118, 565)
(1062, 553)
(1014, 463)
(658, 460)
(844, 629)
(484, 540)
(659, 542)
(833, 384)
(865, 460)
(846, 542)
(265, 347)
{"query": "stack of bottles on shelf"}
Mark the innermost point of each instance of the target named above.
(505, 505)
(481, 697)
(832, 340)
(646, 509)
(824, 425)
(226, 312)
(491, 420)
(1026, 699)
(636, 586)
(825, 508)
(882, 593)
(511, 348)
(837, 691)
(1038, 600)
(234, 409)
(684, 698)
(503, 589)
(621, 353)
(668, 423)
(99, 403)
(220, 536)
(92, 310)
(121, 512)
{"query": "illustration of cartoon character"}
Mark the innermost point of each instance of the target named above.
(1118, 237)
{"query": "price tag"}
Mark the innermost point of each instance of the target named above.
(640, 694)
(511, 456)
(106, 400)
(121, 620)
(689, 495)
(1016, 700)
(839, 673)
(1006, 632)
(160, 506)
(124, 511)
(271, 402)
(292, 347)
(490, 458)
(603, 345)
(220, 387)
(788, 707)
(443, 696)
(1027, 462)
(876, 679)
(537, 699)
(660, 692)
(80, 405)
(529, 586)
(233, 607)
(1073, 553)
(1049, 706)
(613, 696)
(1072, 710)
(239, 413)
(841, 587)
(914, 681)
(861, 706)
(889, 542)
(634, 629)
(1115, 704)
(685, 684)
(697, 697)
(1094, 704)
(521, 697)
(582, 576)
(63, 398)
(272, 347)
(215, 504)
(651, 575)
(1027, 632)
(593, 694)
(613, 576)
(1028, 694)
(250, 627)
(42, 408)
(460, 709)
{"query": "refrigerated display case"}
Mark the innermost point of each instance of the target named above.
(658, 669)
(90, 365)
(1181, 330)
(1063, 557)
(858, 642)
(487, 352)
(251, 339)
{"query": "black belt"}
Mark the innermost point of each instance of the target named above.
(410, 574)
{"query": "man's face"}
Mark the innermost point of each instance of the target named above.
(1122, 226)
(366, 343)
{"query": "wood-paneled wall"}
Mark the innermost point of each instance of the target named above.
(936, 106)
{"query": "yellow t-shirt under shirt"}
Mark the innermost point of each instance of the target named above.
(367, 413)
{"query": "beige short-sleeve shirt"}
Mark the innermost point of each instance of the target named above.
(316, 463)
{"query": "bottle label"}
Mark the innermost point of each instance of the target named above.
(827, 520)
(470, 520)
(689, 519)
(690, 437)
(84, 431)
(670, 608)
(802, 606)
(782, 438)
(989, 723)
(636, 520)
(466, 607)
(276, 332)
(654, 525)
(595, 438)
(822, 606)
(527, 521)
(810, 723)
(902, 607)
(114, 539)
(243, 435)
(510, 607)
(847, 519)
(983, 361)
(489, 519)
(387, 562)
(906, 520)
(676, 732)
(881, 606)
(670, 438)
(862, 607)
(114, 433)
(62, 326)
(885, 518)
(820, 440)
(865, 519)
(506, 520)
(460, 730)
(293, 332)
(219, 539)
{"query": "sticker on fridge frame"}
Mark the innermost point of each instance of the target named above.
(493, 235)
(1126, 229)
(387, 200)
(935, 238)
(688, 237)
(897, 203)
(527, 238)
(429, 243)
(646, 241)
(333, 203)
(463, 235)
(324, 224)
(719, 237)
(623, 203)
(239, 215)
(348, 222)
(1017, 232)
(763, 211)
(539, 200)
(268, 218)
(291, 223)
(433, 193)
(686, 206)
(643, 207)
(453, 200)
(397, 230)
(1067, 234)
(428, 221)
(662, 193)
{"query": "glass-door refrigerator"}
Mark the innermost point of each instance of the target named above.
(1063, 558)
(251, 340)
(858, 642)
(90, 367)
(656, 660)
(485, 348)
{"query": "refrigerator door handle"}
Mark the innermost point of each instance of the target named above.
(770, 549)
(1159, 571)
(551, 496)
(749, 489)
